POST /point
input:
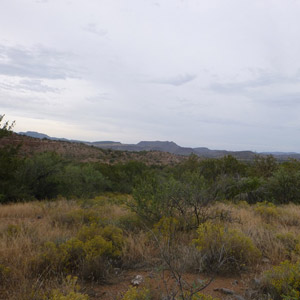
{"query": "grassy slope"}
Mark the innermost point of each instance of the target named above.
(26, 227)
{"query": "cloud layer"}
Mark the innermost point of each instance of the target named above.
(219, 74)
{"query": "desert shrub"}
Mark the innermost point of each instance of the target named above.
(283, 281)
(166, 228)
(81, 181)
(268, 211)
(90, 254)
(135, 293)
(290, 243)
(186, 197)
(224, 249)
(130, 222)
(71, 291)
(284, 186)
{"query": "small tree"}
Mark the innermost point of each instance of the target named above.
(9, 165)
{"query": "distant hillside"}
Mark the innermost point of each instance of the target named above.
(171, 147)
(86, 153)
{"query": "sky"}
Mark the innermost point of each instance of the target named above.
(202, 73)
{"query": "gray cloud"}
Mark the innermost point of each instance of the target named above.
(222, 74)
(34, 85)
(38, 62)
(93, 28)
(176, 80)
(263, 80)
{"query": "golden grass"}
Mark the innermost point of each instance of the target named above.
(25, 227)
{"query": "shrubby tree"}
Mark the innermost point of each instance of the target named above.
(81, 181)
(9, 165)
(284, 186)
(186, 198)
(40, 175)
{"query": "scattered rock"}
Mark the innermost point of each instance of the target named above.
(265, 260)
(225, 291)
(137, 280)
(235, 282)
(117, 271)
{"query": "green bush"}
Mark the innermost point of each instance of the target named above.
(135, 293)
(224, 249)
(268, 211)
(71, 293)
(283, 281)
(90, 254)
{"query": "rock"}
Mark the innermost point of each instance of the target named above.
(235, 282)
(137, 280)
(238, 297)
(265, 260)
(225, 291)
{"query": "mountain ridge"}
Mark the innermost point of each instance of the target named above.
(170, 147)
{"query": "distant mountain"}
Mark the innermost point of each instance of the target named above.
(170, 147)
(38, 135)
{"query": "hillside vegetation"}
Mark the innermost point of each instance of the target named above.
(185, 224)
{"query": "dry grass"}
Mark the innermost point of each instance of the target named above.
(25, 227)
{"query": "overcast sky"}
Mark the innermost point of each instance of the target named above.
(223, 74)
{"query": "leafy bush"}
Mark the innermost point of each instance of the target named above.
(283, 281)
(290, 243)
(268, 211)
(224, 249)
(91, 253)
(135, 293)
(166, 228)
(71, 293)
(284, 186)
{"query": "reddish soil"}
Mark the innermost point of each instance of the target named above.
(118, 287)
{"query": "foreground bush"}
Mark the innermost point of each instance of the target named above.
(71, 293)
(224, 249)
(91, 254)
(283, 281)
(137, 294)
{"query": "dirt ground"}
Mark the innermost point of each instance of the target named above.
(160, 281)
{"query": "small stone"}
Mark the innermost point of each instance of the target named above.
(225, 291)
(138, 279)
(235, 282)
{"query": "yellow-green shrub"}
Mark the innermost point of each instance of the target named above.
(268, 211)
(166, 228)
(71, 293)
(283, 281)
(135, 293)
(90, 253)
(224, 249)
(290, 242)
